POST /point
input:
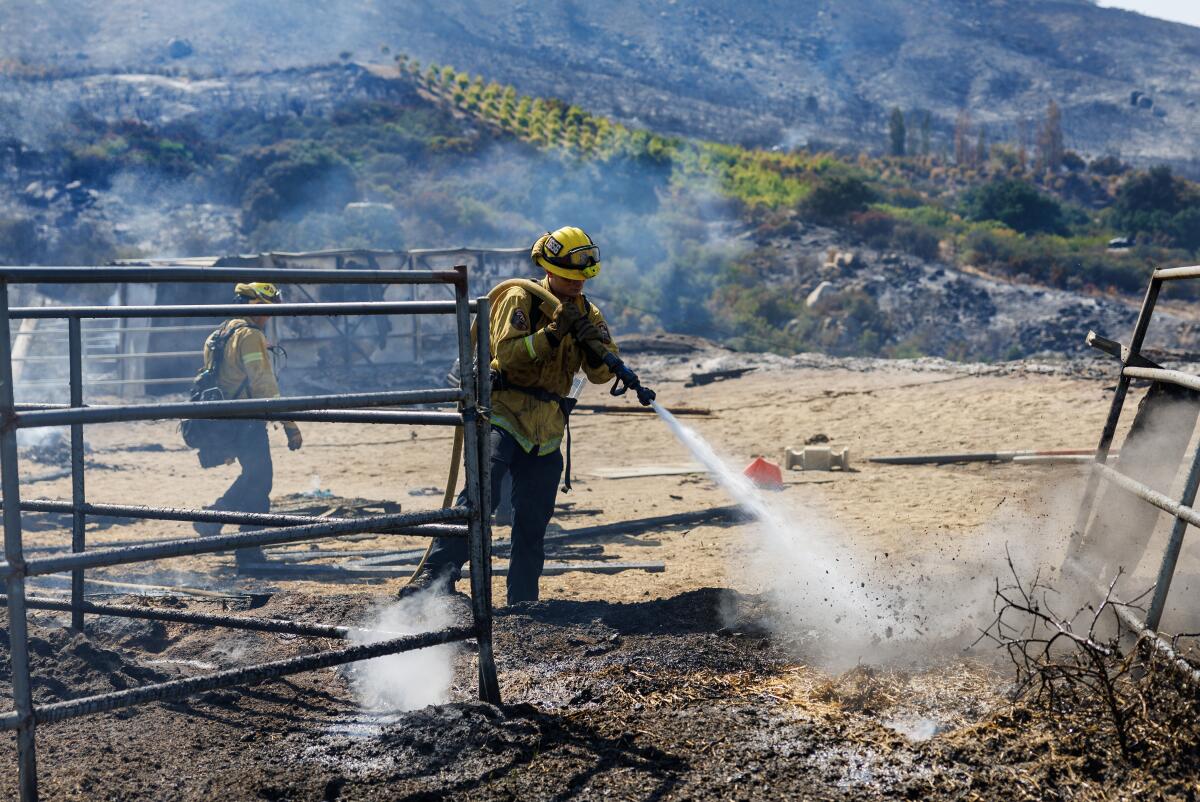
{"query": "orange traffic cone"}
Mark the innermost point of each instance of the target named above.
(766, 475)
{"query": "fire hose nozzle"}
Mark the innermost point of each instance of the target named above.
(626, 380)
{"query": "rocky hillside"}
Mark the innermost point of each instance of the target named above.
(770, 72)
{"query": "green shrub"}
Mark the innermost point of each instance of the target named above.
(1018, 205)
(834, 197)
(918, 239)
(873, 227)
(295, 179)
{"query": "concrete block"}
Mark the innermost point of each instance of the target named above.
(817, 458)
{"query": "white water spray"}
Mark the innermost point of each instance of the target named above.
(818, 585)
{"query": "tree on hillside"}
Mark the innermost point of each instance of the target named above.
(963, 155)
(897, 135)
(1023, 145)
(926, 124)
(981, 146)
(1050, 140)
(1018, 205)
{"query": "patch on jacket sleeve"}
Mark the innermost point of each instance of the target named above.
(604, 334)
(520, 321)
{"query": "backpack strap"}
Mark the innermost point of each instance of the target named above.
(216, 343)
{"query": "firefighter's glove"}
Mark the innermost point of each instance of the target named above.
(586, 332)
(295, 439)
(591, 342)
(566, 317)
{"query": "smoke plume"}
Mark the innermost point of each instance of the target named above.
(409, 680)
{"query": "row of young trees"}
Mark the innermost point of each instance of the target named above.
(545, 122)
(755, 177)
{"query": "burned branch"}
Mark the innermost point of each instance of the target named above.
(1088, 665)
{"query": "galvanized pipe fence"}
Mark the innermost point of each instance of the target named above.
(1133, 365)
(136, 356)
(470, 520)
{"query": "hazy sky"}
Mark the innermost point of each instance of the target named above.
(1176, 10)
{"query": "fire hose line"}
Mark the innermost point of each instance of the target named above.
(626, 380)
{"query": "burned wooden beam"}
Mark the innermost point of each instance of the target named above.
(699, 379)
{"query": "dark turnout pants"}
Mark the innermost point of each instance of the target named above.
(534, 488)
(251, 491)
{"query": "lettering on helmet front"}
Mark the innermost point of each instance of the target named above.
(554, 246)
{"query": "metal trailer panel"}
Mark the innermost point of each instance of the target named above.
(369, 416)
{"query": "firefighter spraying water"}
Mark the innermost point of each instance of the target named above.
(542, 334)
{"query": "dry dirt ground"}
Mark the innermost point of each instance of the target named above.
(628, 686)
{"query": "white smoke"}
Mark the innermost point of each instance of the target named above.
(409, 680)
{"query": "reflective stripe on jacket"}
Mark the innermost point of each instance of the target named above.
(526, 358)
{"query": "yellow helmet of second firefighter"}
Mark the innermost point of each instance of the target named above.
(568, 252)
(258, 292)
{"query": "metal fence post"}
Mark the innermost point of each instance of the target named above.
(1114, 417)
(78, 498)
(481, 589)
(468, 371)
(10, 485)
(1166, 570)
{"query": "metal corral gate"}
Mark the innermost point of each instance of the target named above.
(1135, 366)
(134, 357)
(473, 399)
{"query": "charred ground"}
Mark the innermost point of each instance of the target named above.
(658, 699)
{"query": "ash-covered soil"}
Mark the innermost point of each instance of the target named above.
(660, 699)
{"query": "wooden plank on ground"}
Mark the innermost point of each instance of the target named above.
(643, 471)
(635, 526)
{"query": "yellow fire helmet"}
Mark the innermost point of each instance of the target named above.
(258, 292)
(568, 252)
